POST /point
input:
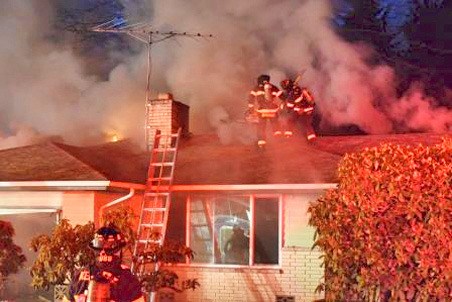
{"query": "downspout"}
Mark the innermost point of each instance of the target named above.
(113, 202)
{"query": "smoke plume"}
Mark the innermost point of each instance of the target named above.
(44, 86)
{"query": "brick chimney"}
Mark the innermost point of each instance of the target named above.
(167, 115)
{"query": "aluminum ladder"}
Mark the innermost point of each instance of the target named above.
(202, 228)
(156, 200)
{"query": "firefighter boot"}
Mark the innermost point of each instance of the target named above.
(288, 134)
(311, 137)
(261, 144)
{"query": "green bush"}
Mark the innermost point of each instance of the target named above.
(386, 230)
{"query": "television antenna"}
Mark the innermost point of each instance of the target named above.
(143, 32)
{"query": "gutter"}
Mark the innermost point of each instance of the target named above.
(65, 184)
(113, 202)
(23, 210)
(56, 184)
(249, 187)
(102, 185)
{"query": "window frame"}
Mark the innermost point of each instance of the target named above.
(252, 200)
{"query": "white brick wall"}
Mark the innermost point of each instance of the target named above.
(299, 276)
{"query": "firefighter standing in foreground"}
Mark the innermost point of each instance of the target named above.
(301, 102)
(264, 101)
(107, 280)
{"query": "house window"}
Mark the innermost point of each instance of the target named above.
(228, 229)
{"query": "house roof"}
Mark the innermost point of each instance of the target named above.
(204, 160)
(201, 160)
(44, 162)
(121, 161)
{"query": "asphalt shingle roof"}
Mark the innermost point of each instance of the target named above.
(201, 160)
(43, 162)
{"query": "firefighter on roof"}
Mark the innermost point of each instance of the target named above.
(301, 103)
(291, 91)
(264, 101)
(108, 279)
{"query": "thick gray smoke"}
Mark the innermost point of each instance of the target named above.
(44, 87)
(45, 92)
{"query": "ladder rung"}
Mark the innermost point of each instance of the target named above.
(148, 241)
(156, 150)
(156, 194)
(152, 225)
(154, 209)
(160, 178)
(165, 164)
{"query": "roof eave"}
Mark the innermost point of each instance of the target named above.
(102, 185)
(51, 185)
(254, 187)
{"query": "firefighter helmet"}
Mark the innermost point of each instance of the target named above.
(107, 238)
(262, 79)
(286, 83)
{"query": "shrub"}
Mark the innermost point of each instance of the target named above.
(66, 250)
(386, 229)
(11, 256)
(155, 262)
(60, 254)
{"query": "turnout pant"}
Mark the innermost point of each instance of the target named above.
(262, 127)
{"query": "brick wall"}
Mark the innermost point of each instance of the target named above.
(299, 276)
(166, 115)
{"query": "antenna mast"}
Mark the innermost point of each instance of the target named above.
(143, 32)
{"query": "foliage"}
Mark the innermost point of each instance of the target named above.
(66, 249)
(11, 257)
(385, 230)
(156, 258)
(60, 254)
(123, 219)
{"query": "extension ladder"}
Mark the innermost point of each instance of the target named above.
(157, 198)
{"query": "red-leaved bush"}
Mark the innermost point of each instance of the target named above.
(11, 256)
(386, 230)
